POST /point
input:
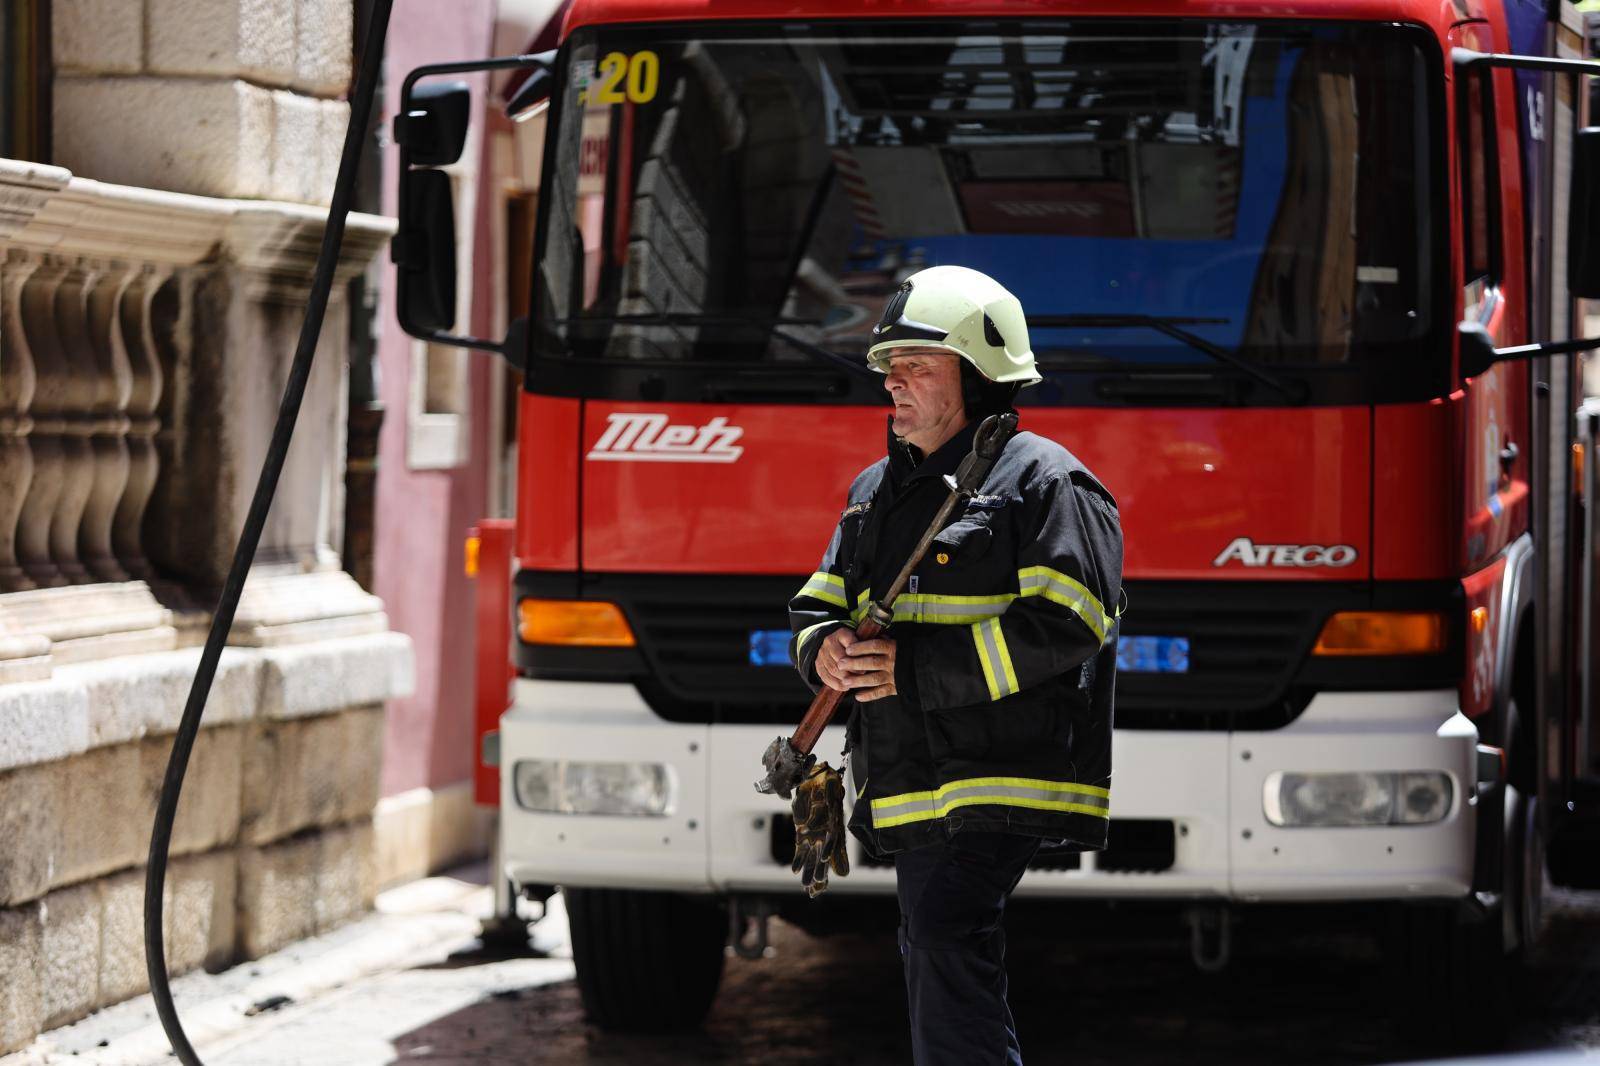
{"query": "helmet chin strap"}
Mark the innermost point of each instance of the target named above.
(983, 397)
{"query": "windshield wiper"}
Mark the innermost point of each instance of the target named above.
(768, 325)
(1173, 327)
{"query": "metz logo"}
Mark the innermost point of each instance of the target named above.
(647, 438)
(1252, 554)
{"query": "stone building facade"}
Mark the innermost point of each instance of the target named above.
(152, 284)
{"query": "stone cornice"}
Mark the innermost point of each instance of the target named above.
(277, 243)
(47, 210)
(24, 189)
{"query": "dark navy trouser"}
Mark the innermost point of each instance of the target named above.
(952, 903)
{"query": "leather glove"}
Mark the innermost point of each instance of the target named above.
(819, 832)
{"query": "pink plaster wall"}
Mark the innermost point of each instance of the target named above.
(423, 515)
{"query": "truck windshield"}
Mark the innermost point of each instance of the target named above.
(1270, 188)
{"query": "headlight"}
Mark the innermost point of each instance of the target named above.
(557, 786)
(1292, 799)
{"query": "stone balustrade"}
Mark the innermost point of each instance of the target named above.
(144, 340)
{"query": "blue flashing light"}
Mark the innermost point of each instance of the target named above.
(1153, 655)
(769, 647)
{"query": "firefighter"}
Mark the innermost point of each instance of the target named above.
(981, 728)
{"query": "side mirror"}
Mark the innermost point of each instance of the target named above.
(1583, 216)
(432, 124)
(431, 130)
(424, 254)
(431, 133)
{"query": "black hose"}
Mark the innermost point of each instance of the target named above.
(244, 555)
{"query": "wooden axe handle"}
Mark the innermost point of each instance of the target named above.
(990, 438)
(826, 702)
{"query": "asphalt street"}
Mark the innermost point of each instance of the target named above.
(1089, 985)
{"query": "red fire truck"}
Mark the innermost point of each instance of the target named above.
(1298, 278)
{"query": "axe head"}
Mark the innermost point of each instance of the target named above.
(785, 767)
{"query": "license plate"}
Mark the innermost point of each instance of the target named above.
(1153, 655)
(769, 647)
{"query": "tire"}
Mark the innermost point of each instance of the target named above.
(1524, 870)
(646, 961)
(1450, 971)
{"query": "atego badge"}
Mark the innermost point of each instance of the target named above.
(648, 438)
(1245, 551)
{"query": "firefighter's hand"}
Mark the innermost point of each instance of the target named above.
(868, 668)
(835, 647)
(819, 832)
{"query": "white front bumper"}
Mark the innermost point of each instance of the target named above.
(717, 837)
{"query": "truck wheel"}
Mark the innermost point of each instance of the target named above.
(646, 961)
(1524, 865)
(1450, 971)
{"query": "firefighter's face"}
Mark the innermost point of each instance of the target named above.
(925, 385)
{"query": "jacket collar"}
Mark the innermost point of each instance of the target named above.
(907, 463)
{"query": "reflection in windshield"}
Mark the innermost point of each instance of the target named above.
(1269, 181)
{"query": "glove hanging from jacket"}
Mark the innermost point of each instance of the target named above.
(819, 831)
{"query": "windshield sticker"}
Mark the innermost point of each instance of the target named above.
(622, 79)
(582, 78)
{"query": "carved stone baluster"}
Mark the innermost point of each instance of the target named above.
(72, 324)
(16, 396)
(139, 308)
(112, 388)
(38, 320)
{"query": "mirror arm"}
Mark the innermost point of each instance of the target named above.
(1534, 351)
(470, 66)
(1466, 57)
(512, 349)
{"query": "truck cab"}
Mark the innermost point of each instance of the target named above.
(1275, 269)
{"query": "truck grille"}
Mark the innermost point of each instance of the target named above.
(1249, 643)
(1246, 642)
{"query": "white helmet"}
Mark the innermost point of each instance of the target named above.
(961, 311)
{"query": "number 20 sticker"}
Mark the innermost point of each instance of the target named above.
(625, 78)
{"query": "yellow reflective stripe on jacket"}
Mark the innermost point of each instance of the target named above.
(1057, 587)
(995, 658)
(999, 791)
(825, 587)
(810, 631)
(936, 609)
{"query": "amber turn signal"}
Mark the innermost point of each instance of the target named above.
(585, 623)
(1382, 633)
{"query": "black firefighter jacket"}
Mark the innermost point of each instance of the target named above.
(1006, 646)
